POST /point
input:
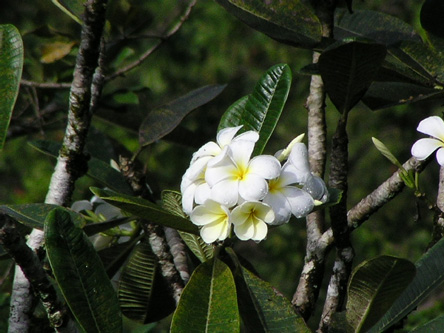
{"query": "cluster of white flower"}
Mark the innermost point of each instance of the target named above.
(223, 187)
(423, 148)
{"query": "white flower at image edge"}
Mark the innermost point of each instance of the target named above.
(233, 176)
(250, 220)
(193, 186)
(423, 148)
(214, 219)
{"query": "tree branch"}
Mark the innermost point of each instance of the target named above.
(71, 163)
(14, 244)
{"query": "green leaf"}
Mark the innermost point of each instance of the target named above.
(287, 21)
(11, 65)
(208, 302)
(263, 107)
(263, 309)
(146, 210)
(80, 275)
(432, 12)
(115, 256)
(141, 295)
(34, 215)
(435, 325)
(73, 8)
(161, 121)
(386, 152)
(97, 169)
(374, 285)
(95, 228)
(171, 202)
(348, 69)
(382, 95)
(233, 116)
(377, 26)
(429, 275)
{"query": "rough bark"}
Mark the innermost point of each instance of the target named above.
(71, 162)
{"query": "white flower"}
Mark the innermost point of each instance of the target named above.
(232, 175)
(286, 198)
(423, 148)
(214, 219)
(250, 220)
(193, 186)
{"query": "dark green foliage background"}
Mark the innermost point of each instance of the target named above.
(215, 48)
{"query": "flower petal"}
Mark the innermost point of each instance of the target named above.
(202, 193)
(197, 168)
(301, 202)
(280, 206)
(423, 148)
(266, 166)
(207, 150)
(316, 187)
(209, 212)
(260, 231)
(221, 168)
(188, 198)
(248, 136)
(440, 156)
(244, 231)
(292, 175)
(240, 151)
(226, 192)
(299, 158)
(225, 136)
(433, 126)
(214, 231)
(253, 188)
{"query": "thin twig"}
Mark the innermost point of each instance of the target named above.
(183, 17)
(45, 85)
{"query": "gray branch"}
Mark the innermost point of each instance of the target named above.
(71, 163)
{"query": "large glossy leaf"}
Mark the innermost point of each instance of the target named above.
(11, 64)
(97, 169)
(146, 210)
(208, 302)
(80, 275)
(262, 109)
(434, 326)
(34, 215)
(348, 69)
(141, 295)
(386, 94)
(287, 21)
(377, 26)
(115, 256)
(161, 121)
(263, 309)
(429, 275)
(171, 201)
(374, 286)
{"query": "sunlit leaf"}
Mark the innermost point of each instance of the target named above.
(208, 302)
(262, 109)
(262, 307)
(146, 210)
(161, 121)
(11, 64)
(348, 69)
(55, 51)
(386, 152)
(80, 275)
(429, 276)
(171, 201)
(287, 21)
(374, 286)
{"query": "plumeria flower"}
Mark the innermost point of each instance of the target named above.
(193, 186)
(232, 175)
(214, 219)
(250, 220)
(423, 148)
(286, 198)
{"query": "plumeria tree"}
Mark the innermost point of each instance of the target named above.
(126, 255)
